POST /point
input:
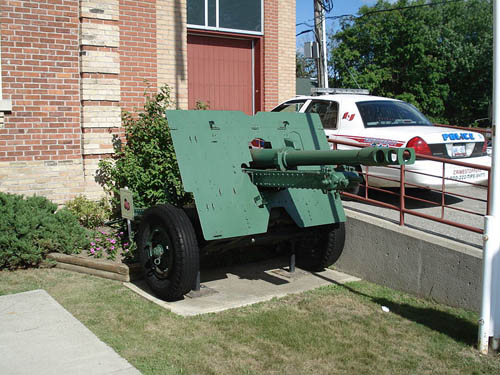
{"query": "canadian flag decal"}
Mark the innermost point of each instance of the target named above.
(348, 117)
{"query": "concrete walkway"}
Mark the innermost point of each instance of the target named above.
(38, 336)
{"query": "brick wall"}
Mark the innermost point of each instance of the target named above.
(137, 51)
(41, 140)
(286, 50)
(271, 67)
(279, 52)
(71, 66)
(118, 67)
(100, 85)
(171, 34)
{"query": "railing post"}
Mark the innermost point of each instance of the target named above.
(366, 181)
(443, 187)
(402, 195)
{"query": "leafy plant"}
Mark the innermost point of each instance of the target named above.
(32, 227)
(202, 106)
(90, 214)
(145, 162)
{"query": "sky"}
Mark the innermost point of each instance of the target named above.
(305, 14)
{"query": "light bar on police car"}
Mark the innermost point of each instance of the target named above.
(324, 91)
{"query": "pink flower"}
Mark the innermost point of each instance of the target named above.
(92, 243)
(92, 251)
(112, 247)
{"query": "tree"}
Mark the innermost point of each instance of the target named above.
(434, 54)
(305, 67)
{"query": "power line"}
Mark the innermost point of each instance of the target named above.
(353, 17)
(399, 8)
(327, 5)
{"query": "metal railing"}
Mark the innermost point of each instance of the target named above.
(403, 196)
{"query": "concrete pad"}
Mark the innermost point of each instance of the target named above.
(38, 336)
(242, 285)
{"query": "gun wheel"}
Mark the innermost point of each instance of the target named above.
(320, 247)
(168, 251)
(359, 189)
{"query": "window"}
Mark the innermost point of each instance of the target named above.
(5, 105)
(328, 112)
(381, 113)
(244, 16)
(293, 106)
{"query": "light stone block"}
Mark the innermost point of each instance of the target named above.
(56, 180)
(100, 62)
(101, 117)
(97, 143)
(100, 89)
(100, 35)
(102, 9)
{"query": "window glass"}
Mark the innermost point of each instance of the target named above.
(294, 106)
(196, 12)
(244, 15)
(240, 14)
(382, 113)
(328, 112)
(212, 13)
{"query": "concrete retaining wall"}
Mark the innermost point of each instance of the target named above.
(412, 261)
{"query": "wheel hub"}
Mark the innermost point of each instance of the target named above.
(159, 255)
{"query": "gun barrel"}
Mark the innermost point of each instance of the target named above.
(289, 158)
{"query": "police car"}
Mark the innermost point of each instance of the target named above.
(355, 116)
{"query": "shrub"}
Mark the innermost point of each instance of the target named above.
(146, 162)
(30, 228)
(90, 214)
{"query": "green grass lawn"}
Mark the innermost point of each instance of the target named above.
(331, 330)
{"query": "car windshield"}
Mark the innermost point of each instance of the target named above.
(291, 106)
(382, 113)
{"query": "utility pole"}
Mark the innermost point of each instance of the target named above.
(320, 33)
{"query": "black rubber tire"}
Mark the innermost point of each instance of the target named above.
(177, 272)
(359, 189)
(320, 247)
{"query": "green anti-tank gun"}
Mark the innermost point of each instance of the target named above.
(284, 191)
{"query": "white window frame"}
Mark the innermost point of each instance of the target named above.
(5, 105)
(217, 28)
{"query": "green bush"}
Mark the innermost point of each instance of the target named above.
(90, 214)
(146, 162)
(30, 228)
